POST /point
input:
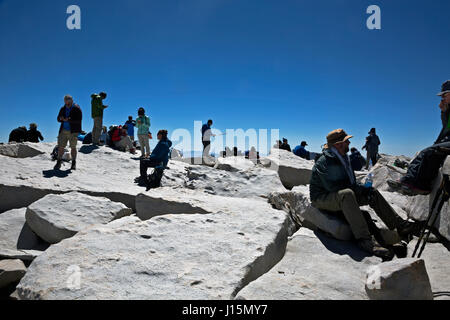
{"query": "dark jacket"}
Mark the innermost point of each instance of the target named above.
(328, 175)
(161, 151)
(97, 106)
(372, 143)
(18, 135)
(75, 118)
(357, 161)
(285, 146)
(33, 135)
(445, 132)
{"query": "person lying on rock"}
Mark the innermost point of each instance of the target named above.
(424, 169)
(158, 158)
(333, 187)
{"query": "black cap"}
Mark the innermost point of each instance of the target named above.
(303, 143)
(284, 139)
(372, 130)
(445, 88)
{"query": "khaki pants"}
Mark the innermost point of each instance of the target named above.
(66, 136)
(348, 202)
(97, 130)
(144, 143)
(124, 143)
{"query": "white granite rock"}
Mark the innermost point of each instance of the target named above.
(17, 240)
(11, 271)
(402, 279)
(19, 150)
(57, 217)
(315, 267)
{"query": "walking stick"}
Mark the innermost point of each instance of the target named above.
(442, 196)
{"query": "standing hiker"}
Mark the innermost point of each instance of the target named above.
(333, 187)
(130, 125)
(206, 137)
(70, 117)
(372, 143)
(143, 125)
(425, 167)
(97, 115)
(33, 135)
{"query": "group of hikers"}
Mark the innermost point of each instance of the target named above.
(21, 134)
(333, 185)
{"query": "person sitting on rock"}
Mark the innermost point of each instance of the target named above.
(333, 187)
(424, 168)
(33, 135)
(285, 145)
(121, 139)
(356, 160)
(18, 135)
(158, 158)
(301, 151)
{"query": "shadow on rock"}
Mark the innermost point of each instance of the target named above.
(56, 173)
(88, 149)
(342, 247)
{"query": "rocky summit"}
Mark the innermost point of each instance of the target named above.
(232, 228)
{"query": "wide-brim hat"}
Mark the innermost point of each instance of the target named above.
(445, 88)
(336, 136)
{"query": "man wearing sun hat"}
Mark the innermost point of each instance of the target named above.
(425, 167)
(333, 187)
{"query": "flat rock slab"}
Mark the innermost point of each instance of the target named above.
(19, 150)
(402, 279)
(11, 271)
(315, 267)
(57, 217)
(182, 256)
(234, 164)
(293, 170)
(17, 240)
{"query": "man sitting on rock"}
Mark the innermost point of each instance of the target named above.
(158, 159)
(333, 187)
(425, 167)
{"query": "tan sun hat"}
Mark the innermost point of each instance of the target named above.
(336, 136)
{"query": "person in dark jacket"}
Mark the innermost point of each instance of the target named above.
(70, 117)
(425, 167)
(301, 151)
(356, 159)
(18, 135)
(333, 187)
(33, 135)
(285, 145)
(159, 156)
(372, 143)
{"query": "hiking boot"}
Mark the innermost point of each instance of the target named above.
(406, 188)
(407, 228)
(400, 249)
(57, 165)
(74, 165)
(373, 247)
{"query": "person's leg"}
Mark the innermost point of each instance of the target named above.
(144, 165)
(425, 167)
(141, 139)
(147, 145)
(367, 160)
(96, 131)
(374, 158)
(73, 149)
(63, 138)
(345, 201)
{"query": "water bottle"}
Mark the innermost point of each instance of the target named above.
(369, 180)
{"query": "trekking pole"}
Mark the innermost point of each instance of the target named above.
(441, 197)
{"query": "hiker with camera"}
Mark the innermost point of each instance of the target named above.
(333, 187)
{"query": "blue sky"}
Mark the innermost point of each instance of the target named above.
(304, 67)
